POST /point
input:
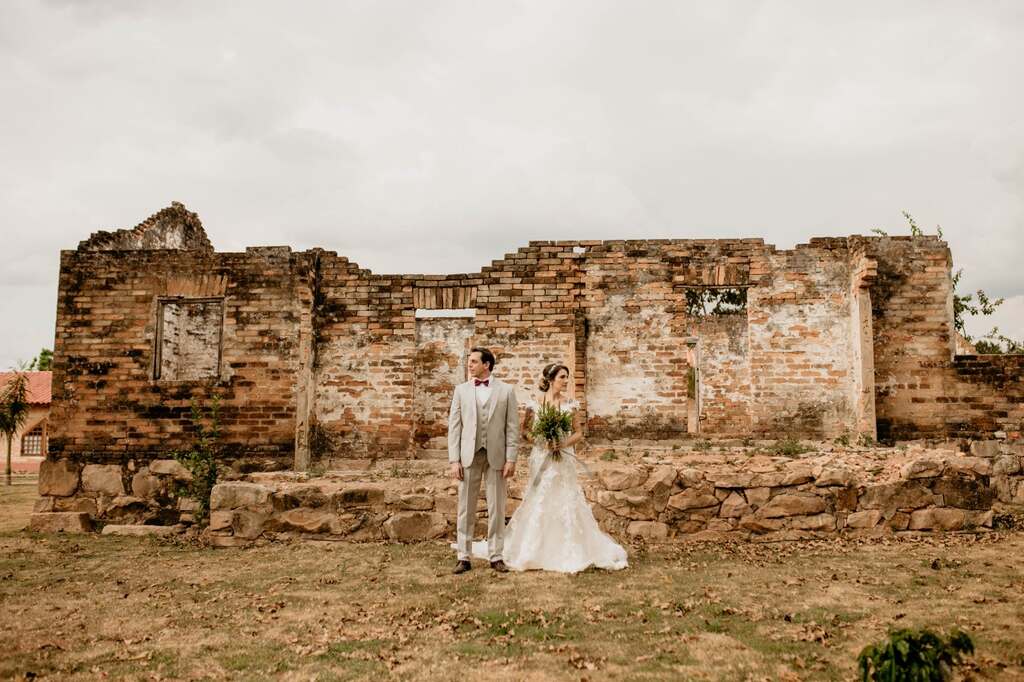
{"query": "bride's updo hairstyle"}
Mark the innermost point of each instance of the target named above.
(548, 375)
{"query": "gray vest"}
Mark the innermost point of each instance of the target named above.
(483, 415)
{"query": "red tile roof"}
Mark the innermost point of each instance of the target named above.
(38, 385)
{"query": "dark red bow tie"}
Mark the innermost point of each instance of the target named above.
(478, 382)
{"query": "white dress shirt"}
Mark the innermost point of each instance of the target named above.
(483, 394)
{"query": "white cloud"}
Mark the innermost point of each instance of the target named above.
(435, 137)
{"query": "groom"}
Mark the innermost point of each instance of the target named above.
(483, 433)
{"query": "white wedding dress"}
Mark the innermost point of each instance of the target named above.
(553, 529)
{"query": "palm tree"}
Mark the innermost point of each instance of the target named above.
(14, 410)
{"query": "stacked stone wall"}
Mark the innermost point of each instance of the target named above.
(733, 493)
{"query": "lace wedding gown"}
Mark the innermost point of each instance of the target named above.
(553, 529)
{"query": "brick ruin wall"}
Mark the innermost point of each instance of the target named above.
(319, 360)
(923, 390)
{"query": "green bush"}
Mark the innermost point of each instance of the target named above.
(201, 458)
(790, 447)
(914, 655)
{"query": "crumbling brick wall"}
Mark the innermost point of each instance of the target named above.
(317, 359)
(109, 404)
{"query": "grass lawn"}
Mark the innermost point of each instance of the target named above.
(94, 606)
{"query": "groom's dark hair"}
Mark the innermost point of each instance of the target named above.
(486, 356)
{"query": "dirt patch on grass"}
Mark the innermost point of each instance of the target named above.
(142, 608)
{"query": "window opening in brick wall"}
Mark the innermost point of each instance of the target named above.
(188, 338)
(430, 313)
(705, 301)
(32, 443)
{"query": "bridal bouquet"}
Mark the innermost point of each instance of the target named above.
(551, 424)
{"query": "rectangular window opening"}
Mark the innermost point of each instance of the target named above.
(188, 339)
(430, 313)
(709, 301)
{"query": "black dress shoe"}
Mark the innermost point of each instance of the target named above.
(462, 567)
(499, 566)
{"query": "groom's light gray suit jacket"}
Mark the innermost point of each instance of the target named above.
(495, 426)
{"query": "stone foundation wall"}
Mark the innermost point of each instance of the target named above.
(739, 492)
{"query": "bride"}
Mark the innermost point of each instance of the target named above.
(553, 529)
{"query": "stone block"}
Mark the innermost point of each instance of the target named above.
(845, 498)
(937, 518)
(172, 468)
(221, 520)
(721, 525)
(121, 503)
(732, 480)
(248, 524)
(240, 495)
(976, 466)
(1018, 492)
(140, 530)
(757, 497)
(145, 484)
(103, 478)
(898, 521)
(299, 496)
(964, 492)
(58, 477)
(76, 504)
(836, 475)
(757, 524)
(414, 526)
(306, 520)
(660, 481)
(734, 507)
(896, 495)
(60, 522)
(794, 475)
(621, 477)
(416, 502)
(690, 477)
(792, 504)
(985, 448)
(1006, 465)
(631, 504)
(448, 504)
(975, 519)
(694, 498)
(361, 496)
(649, 530)
(864, 519)
(926, 467)
(818, 522)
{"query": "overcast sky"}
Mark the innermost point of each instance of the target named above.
(434, 137)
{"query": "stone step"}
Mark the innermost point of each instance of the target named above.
(139, 530)
(60, 522)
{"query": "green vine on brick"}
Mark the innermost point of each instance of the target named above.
(911, 655)
(201, 458)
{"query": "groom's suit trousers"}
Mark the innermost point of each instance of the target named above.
(469, 491)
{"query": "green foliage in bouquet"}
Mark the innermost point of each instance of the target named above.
(910, 655)
(551, 424)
